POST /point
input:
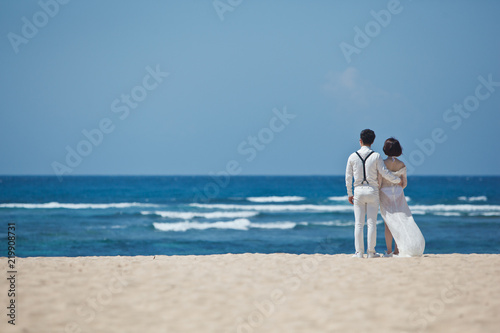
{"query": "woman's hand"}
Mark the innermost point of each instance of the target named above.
(351, 199)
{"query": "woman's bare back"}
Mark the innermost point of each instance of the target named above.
(393, 164)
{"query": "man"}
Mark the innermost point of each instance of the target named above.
(365, 165)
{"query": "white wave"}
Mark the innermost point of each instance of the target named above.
(408, 199)
(466, 208)
(244, 224)
(447, 213)
(276, 199)
(277, 208)
(334, 223)
(206, 215)
(486, 214)
(238, 224)
(276, 225)
(471, 199)
(341, 198)
(55, 205)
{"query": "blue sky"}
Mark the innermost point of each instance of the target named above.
(188, 87)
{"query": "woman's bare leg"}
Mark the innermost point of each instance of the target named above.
(388, 238)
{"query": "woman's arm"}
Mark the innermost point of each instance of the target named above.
(404, 179)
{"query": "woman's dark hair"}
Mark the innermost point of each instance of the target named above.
(392, 147)
(367, 136)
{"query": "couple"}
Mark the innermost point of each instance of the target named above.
(377, 180)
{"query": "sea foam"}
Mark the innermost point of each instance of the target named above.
(416, 209)
(238, 224)
(472, 199)
(339, 198)
(277, 208)
(206, 215)
(276, 199)
(244, 224)
(456, 210)
(466, 208)
(447, 213)
(56, 205)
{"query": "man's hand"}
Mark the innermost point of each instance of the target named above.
(351, 199)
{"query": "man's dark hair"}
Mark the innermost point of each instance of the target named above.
(392, 148)
(367, 136)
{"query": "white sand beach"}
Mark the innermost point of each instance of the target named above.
(255, 293)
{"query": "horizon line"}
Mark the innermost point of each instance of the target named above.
(215, 175)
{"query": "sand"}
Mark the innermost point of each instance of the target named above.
(255, 293)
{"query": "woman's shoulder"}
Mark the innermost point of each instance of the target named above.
(394, 165)
(400, 164)
(401, 171)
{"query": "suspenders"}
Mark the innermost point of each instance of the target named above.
(364, 168)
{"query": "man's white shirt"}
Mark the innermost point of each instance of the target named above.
(374, 166)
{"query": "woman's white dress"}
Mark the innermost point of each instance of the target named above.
(397, 215)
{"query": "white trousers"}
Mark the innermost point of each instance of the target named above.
(366, 203)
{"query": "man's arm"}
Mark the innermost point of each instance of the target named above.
(384, 172)
(348, 179)
(404, 180)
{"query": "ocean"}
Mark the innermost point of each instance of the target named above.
(199, 215)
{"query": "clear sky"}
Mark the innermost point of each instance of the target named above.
(278, 87)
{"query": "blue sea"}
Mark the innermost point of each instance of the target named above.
(196, 215)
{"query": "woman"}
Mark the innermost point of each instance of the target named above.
(397, 216)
